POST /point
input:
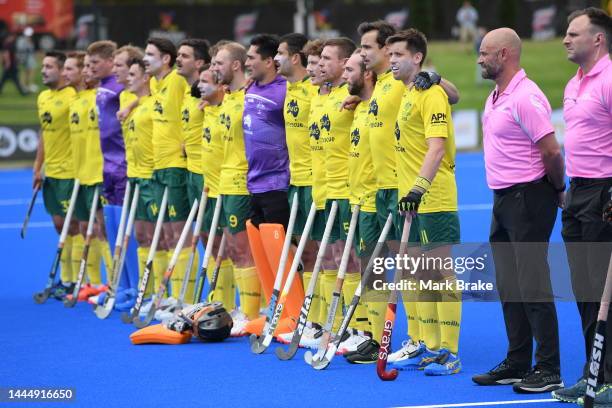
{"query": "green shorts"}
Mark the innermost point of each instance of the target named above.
(176, 181)
(343, 219)
(386, 202)
(235, 211)
(434, 230)
(146, 208)
(209, 213)
(304, 202)
(56, 195)
(318, 226)
(195, 185)
(85, 200)
(367, 233)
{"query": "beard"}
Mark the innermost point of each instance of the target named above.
(356, 87)
(490, 71)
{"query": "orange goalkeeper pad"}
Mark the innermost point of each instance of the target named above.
(285, 325)
(273, 237)
(159, 334)
(266, 276)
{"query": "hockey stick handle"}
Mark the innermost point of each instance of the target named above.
(376, 253)
(92, 213)
(349, 242)
(200, 218)
(604, 306)
(26, 220)
(70, 212)
(212, 232)
(123, 217)
(126, 236)
(158, 227)
(184, 233)
(325, 238)
(287, 244)
(220, 255)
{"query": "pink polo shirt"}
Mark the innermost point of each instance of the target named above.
(512, 124)
(587, 110)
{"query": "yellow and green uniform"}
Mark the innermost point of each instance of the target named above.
(169, 159)
(192, 118)
(296, 114)
(125, 99)
(335, 127)
(319, 184)
(212, 158)
(423, 115)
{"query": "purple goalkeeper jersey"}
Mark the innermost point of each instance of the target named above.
(111, 139)
(265, 143)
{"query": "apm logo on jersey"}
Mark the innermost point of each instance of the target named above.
(185, 115)
(46, 118)
(293, 108)
(438, 118)
(157, 107)
(74, 118)
(206, 134)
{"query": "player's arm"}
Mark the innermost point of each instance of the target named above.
(553, 163)
(426, 79)
(125, 112)
(38, 163)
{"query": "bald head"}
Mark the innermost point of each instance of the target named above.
(500, 51)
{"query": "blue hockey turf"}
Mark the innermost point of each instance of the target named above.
(48, 345)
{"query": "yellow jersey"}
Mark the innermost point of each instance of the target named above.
(362, 178)
(92, 165)
(384, 104)
(192, 118)
(167, 138)
(233, 178)
(297, 110)
(423, 115)
(53, 114)
(125, 98)
(212, 149)
(317, 152)
(79, 109)
(139, 133)
(335, 127)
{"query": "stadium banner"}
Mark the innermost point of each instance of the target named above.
(467, 129)
(18, 142)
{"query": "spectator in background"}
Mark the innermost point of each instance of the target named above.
(26, 58)
(467, 16)
(9, 64)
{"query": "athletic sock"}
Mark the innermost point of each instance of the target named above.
(449, 316)
(77, 252)
(107, 258)
(428, 318)
(190, 292)
(410, 299)
(225, 284)
(360, 317)
(94, 258)
(160, 264)
(176, 280)
(66, 261)
(329, 284)
(249, 291)
(376, 303)
(315, 302)
(143, 253)
(323, 305)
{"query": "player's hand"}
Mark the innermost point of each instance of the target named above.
(426, 79)
(561, 199)
(410, 203)
(202, 104)
(607, 212)
(123, 114)
(350, 103)
(36, 180)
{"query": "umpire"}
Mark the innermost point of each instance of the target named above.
(587, 110)
(524, 168)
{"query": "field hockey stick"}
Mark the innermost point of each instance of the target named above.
(29, 213)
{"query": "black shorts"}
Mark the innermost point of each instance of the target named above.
(270, 207)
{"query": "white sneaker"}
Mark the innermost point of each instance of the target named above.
(408, 347)
(308, 339)
(350, 345)
(285, 338)
(240, 322)
(144, 309)
(163, 315)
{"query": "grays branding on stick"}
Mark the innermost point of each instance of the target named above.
(71, 301)
(194, 249)
(29, 212)
(129, 317)
(104, 310)
(337, 293)
(333, 347)
(267, 336)
(41, 297)
(208, 251)
(279, 273)
(385, 339)
(163, 286)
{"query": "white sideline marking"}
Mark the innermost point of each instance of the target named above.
(475, 207)
(18, 225)
(482, 404)
(18, 201)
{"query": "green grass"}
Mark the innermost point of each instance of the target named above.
(545, 63)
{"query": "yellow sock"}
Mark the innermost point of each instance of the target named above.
(329, 283)
(94, 258)
(107, 258)
(190, 292)
(250, 291)
(160, 264)
(142, 253)
(225, 285)
(176, 280)
(77, 252)
(323, 305)
(449, 316)
(360, 317)
(409, 299)
(428, 318)
(315, 303)
(376, 302)
(66, 261)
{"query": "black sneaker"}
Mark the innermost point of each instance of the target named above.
(59, 291)
(538, 380)
(366, 353)
(501, 374)
(571, 394)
